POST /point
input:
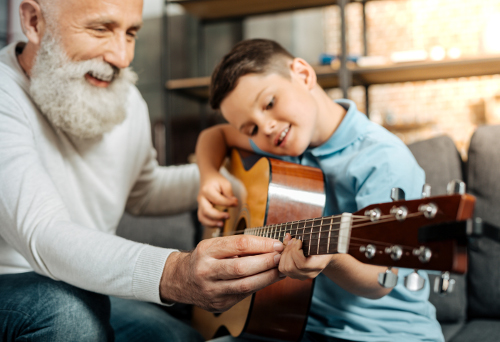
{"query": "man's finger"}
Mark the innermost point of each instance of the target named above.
(234, 268)
(253, 283)
(242, 245)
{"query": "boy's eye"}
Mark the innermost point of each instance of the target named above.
(254, 130)
(270, 104)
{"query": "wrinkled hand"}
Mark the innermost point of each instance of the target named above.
(295, 265)
(214, 190)
(221, 272)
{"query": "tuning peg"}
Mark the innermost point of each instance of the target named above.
(456, 186)
(444, 285)
(387, 279)
(414, 282)
(397, 194)
(426, 190)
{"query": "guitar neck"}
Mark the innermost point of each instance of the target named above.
(322, 235)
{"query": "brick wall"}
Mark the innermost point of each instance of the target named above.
(419, 110)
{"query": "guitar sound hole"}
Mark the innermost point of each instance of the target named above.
(242, 225)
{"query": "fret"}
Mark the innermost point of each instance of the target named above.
(329, 236)
(306, 235)
(314, 232)
(334, 234)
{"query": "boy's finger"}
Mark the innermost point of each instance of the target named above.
(227, 191)
(210, 212)
(217, 198)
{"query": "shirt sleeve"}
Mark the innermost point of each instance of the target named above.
(36, 223)
(381, 167)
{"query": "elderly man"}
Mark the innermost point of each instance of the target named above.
(75, 151)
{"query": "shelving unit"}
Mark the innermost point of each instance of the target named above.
(207, 11)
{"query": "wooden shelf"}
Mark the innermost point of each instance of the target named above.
(408, 127)
(395, 73)
(225, 9)
(428, 70)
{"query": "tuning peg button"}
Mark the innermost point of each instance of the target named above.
(444, 285)
(426, 190)
(387, 279)
(414, 282)
(397, 194)
(456, 186)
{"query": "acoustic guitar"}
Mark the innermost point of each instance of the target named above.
(277, 197)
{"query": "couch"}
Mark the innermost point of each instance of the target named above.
(472, 311)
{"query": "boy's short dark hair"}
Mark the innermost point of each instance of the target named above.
(251, 56)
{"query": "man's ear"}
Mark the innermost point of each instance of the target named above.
(32, 21)
(304, 71)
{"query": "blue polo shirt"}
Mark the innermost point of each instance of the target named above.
(361, 162)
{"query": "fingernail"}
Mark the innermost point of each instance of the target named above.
(277, 258)
(278, 246)
(291, 242)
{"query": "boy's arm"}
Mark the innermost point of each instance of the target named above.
(211, 149)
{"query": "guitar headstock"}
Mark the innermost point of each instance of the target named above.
(388, 233)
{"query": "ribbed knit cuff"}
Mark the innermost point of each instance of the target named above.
(148, 272)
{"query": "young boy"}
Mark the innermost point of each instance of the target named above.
(275, 107)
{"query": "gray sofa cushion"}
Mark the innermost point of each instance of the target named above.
(442, 163)
(484, 254)
(440, 160)
(479, 330)
(176, 231)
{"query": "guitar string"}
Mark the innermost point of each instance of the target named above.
(382, 219)
(388, 218)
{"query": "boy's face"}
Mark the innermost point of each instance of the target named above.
(278, 114)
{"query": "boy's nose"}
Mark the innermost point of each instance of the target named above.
(269, 126)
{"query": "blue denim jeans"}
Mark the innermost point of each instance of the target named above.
(37, 308)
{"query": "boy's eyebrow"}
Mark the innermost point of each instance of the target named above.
(258, 95)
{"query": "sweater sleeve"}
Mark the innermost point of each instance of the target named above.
(161, 190)
(37, 225)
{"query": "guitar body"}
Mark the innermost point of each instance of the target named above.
(269, 191)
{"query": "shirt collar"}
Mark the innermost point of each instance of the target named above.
(349, 130)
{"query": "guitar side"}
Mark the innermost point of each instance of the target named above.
(271, 191)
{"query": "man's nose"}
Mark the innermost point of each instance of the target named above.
(120, 52)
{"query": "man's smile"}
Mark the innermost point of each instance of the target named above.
(98, 80)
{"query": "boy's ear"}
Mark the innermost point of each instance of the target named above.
(32, 21)
(304, 71)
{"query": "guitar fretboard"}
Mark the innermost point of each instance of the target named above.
(322, 235)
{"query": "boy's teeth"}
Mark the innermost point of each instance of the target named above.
(283, 134)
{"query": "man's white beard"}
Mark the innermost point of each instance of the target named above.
(69, 102)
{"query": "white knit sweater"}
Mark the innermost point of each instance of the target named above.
(61, 198)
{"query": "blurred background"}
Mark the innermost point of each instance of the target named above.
(421, 68)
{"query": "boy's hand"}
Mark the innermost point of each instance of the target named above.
(215, 190)
(295, 265)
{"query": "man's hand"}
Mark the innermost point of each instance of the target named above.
(215, 189)
(221, 272)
